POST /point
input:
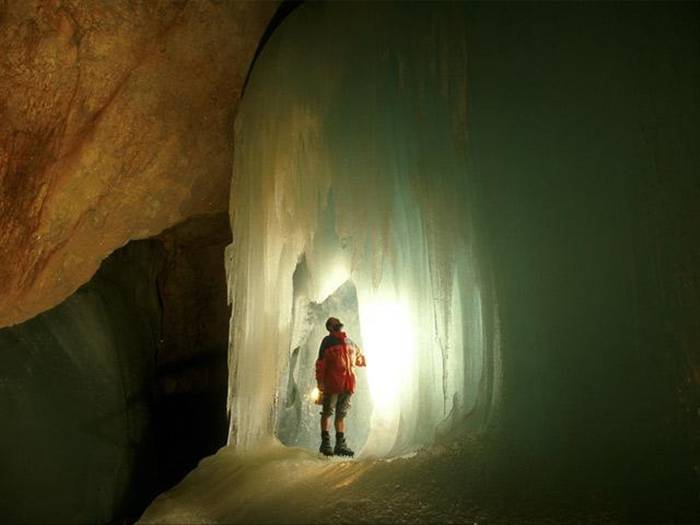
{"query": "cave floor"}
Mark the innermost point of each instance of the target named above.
(444, 484)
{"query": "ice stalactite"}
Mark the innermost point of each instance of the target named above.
(351, 169)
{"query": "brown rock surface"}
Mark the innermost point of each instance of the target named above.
(115, 123)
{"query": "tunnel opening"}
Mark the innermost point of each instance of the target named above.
(298, 414)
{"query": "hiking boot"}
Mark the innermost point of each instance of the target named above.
(341, 447)
(326, 448)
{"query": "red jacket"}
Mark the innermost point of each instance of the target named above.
(334, 366)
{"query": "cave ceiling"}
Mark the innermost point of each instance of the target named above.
(116, 122)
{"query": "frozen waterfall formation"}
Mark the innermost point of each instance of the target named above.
(351, 196)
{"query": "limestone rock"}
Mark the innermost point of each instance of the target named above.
(116, 122)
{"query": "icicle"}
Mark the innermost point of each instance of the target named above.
(351, 166)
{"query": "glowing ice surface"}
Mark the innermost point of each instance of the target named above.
(276, 484)
(393, 355)
(351, 157)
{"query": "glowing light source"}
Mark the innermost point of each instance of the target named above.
(315, 395)
(390, 347)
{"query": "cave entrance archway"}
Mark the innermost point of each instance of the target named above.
(297, 414)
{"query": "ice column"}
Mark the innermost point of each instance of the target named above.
(350, 152)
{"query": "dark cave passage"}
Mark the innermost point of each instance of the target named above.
(191, 364)
(120, 390)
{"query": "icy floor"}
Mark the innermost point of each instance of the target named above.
(277, 484)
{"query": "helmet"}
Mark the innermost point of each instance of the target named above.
(333, 324)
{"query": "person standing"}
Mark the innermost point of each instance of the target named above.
(335, 380)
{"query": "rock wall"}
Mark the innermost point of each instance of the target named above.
(77, 442)
(115, 394)
(115, 123)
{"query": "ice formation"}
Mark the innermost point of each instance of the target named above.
(351, 192)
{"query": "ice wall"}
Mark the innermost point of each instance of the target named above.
(351, 156)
